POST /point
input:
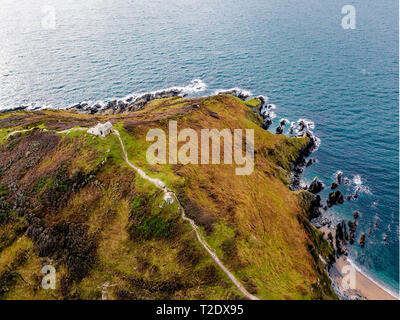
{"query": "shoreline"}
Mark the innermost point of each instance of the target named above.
(366, 288)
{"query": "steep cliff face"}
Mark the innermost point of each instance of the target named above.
(70, 200)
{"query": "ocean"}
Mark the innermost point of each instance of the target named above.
(57, 53)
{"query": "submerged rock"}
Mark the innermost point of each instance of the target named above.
(362, 240)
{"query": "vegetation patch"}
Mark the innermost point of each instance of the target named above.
(152, 227)
(66, 242)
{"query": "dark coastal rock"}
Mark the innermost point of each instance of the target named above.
(341, 239)
(94, 109)
(297, 167)
(352, 229)
(241, 94)
(311, 162)
(341, 231)
(352, 226)
(128, 105)
(263, 101)
(334, 185)
(79, 107)
(283, 122)
(111, 105)
(13, 109)
(301, 125)
(267, 123)
(321, 221)
(356, 214)
(339, 178)
(279, 130)
(362, 240)
(356, 196)
(335, 198)
(316, 186)
(315, 205)
(346, 181)
(349, 197)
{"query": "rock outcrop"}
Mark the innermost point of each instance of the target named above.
(316, 186)
(335, 198)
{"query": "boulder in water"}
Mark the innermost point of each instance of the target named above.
(334, 185)
(339, 178)
(316, 186)
(335, 198)
(362, 240)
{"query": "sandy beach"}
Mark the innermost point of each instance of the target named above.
(364, 287)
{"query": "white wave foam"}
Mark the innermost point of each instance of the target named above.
(272, 114)
(357, 180)
(238, 92)
(196, 85)
(284, 121)
(305, 124)
(263, 99)
(336, 174)
(359, 185)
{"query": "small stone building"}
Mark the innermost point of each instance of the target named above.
(101, 129)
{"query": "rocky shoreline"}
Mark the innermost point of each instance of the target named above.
(342, 234)
(339, 236)
(133, 102)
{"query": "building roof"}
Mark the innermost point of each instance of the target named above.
(104, 126)
(107, 125)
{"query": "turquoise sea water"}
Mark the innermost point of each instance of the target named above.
(295, 52)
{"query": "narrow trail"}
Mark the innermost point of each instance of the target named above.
(68, 131)
(17, 131)
(160, 185)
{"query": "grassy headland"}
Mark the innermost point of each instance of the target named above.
(69, 199)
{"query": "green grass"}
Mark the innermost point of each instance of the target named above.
(153, 227)
(3, 191)
(136, 146)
